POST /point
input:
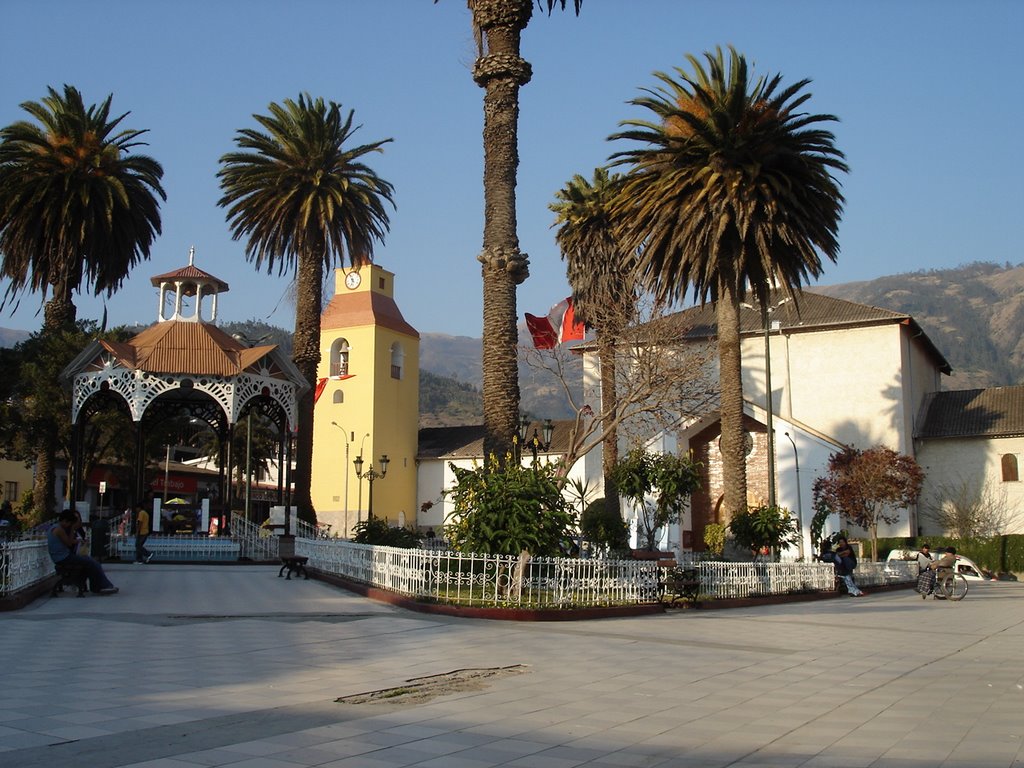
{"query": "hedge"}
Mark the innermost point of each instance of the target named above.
(999, 554)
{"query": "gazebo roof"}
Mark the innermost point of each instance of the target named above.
(186, 348)
(191, 274)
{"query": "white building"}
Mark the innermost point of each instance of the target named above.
(841, 373)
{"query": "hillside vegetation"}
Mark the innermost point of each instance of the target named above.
(974, 314)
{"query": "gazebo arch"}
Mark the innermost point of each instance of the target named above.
(184, 364)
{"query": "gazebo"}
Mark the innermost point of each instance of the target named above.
(184, 366)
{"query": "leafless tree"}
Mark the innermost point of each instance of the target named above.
(969, 508)
(662, 379)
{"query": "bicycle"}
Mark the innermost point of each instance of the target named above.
(948, 586)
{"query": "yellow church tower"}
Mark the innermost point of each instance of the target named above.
(366, 419)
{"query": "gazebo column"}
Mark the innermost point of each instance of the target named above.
(229, 496)
(140, 463)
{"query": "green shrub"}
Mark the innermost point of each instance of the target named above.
(376, 530)
(604, 527)
(998, 553)
(506, 509)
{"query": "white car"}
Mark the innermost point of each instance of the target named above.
(964, 565)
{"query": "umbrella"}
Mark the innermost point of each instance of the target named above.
(177, 501)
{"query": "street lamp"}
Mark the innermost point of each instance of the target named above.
(346, 435)
(766, 310)
(799, 503)
(548, 429)
(524, 430)
(371, 474)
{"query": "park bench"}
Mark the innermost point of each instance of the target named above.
(69, 575)
(294, 564)
(680, 584)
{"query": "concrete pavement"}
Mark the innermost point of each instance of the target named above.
(231, 666)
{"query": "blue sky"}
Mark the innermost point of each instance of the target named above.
(927, 91)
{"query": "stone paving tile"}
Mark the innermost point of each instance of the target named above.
(767, 686)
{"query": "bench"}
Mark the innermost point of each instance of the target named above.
(680, 584)
(296, 565)
(69, 575)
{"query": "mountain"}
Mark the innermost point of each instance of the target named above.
(10, 337)
(974, 314)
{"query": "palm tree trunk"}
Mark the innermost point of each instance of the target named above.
(734, 468)
(609, 407)
(306, 356)
(58, 315)
(501, 71)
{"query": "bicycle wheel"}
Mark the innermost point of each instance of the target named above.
(954, 586)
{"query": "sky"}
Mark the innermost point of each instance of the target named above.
(927, 93)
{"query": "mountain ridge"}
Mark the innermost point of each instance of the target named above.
(974, 314)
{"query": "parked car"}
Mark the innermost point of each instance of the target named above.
(964, 565)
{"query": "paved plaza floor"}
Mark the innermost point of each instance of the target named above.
(231, 666)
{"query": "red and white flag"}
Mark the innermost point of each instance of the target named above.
(321, 384)
(558, 327)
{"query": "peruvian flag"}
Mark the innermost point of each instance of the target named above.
(321, 384)
(558, 327)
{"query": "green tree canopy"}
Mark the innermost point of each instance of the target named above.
(869, 487)
(669, 478)
(730, 190)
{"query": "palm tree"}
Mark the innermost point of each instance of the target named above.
(732, 193)
(501, 71)
(303, 200)
(600, 270)
(76, 206)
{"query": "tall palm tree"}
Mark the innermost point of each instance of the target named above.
(600, 270)
(501, 71)
(733, 192)
(76, 207)
(303, 199)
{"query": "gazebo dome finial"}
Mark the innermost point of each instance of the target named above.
(183, 291)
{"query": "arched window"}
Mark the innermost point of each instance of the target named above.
(339, 396)
(1010, 468)
(339, 357)
(397, 358)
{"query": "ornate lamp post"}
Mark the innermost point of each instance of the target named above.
(537, 443)
(371, 474)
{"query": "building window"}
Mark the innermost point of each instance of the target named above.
(339, 397)
(397, 358)
(1010, 468)
(11, 491)
(339, 357)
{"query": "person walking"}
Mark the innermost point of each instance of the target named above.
(142, 529)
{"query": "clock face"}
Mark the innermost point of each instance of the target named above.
(352, 280)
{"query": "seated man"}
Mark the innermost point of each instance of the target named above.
(946, 563)
(63, 545)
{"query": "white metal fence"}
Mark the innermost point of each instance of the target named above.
(469, 579)
(487, 580)
(22, 564)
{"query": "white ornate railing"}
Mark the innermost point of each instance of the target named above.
(256, 542)
(486, 580)
(179, 547)
(732, 580)
(22, 564)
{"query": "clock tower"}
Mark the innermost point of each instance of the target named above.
(367, 404)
